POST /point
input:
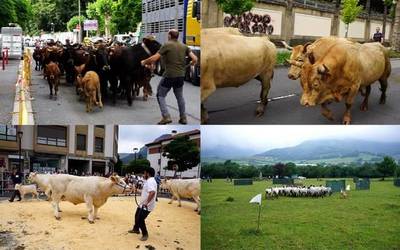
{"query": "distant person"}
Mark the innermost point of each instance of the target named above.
(378, 36)
(173, 54)
(158, 180)
(146, 205)
(16, 178)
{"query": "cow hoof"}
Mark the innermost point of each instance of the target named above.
(91, 222)
(179, 205)
(364, 107)
(58, 218)
(260, 111)
(346, 120)
(198, 212)
(382, 101)
(83, 218)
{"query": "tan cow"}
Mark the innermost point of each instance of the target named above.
(300, 53)
(183, 188)
(92, 190)
(90, 85)
(342, 72)
(230, 59)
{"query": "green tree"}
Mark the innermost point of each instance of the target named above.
(279, 169)
(387, 166)
(350, 11)
(15, 11)
(105, 9)
(71, 24)
(235, 7)
(182, 153)
(137, 166)
(126, 15)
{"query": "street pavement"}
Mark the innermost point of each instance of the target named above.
(237, 105)
(8, 79)
(68, 109)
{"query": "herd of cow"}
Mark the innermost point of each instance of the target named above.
(95, 190)
(330, 69)
(97, 69)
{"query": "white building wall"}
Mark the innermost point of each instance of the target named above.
(90, 140)
(302, 27)
(356, 29)
(109, 141)
(71, 139)
(27, 137)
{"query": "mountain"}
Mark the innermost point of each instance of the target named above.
(227, 152)
(329, 149)
(128, 157)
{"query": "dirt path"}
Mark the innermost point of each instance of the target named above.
(31, 225)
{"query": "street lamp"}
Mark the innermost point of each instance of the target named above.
(20, 133)
(135, 150)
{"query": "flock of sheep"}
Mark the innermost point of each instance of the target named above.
(311, 191)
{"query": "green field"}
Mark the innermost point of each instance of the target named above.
(365, 220)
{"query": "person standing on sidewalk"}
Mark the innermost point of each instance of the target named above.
(146, 205)
(173, 55)
(16, 178)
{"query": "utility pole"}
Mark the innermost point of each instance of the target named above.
(80, 27)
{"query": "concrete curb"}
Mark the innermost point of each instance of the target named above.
(22, 112)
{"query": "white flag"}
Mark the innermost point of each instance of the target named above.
(256, 199)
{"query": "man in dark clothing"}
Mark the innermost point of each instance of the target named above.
(378, 36)
(173, 54)
(16, 178)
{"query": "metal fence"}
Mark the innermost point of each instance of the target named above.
(238, 182)
(336, 185)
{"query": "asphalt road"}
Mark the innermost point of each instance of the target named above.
(8, 78)
(237, 105)
(68, 109)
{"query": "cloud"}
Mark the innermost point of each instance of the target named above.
(136, 136)
(266, 137)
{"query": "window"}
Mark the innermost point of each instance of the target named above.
(98, 145)
(52, 135)
(81, 142)
(100, 126)
(8, 133)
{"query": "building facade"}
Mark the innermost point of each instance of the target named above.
(75, 149)
(158, 161)
(290, 20)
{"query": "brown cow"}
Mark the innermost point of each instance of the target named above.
(91, 87)
(342, 72)
(52, 72)
(230, 59)
(318, 48)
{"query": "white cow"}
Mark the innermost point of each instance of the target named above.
(42, 180)
(92, 190)
(27, 189)
(183, 188)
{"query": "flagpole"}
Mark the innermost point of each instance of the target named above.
(259, 213)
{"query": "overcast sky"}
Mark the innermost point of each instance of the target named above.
(136, 136)
(268, 137)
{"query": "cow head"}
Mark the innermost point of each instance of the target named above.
(152, 44)
(119, 185)
(315, 83)
(296, 60)
(32, 176)
(79, 83)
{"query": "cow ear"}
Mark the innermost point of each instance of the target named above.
(305, 46)
(114, 178)
(311, 57)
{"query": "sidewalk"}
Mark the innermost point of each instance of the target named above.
(8, 78)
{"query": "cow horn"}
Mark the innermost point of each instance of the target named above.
(286, 45)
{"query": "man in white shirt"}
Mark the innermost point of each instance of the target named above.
(146, 205)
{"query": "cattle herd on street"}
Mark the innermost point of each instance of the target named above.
(99, 71)
(330, 69)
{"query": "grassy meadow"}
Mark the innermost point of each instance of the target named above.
(367, 219)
